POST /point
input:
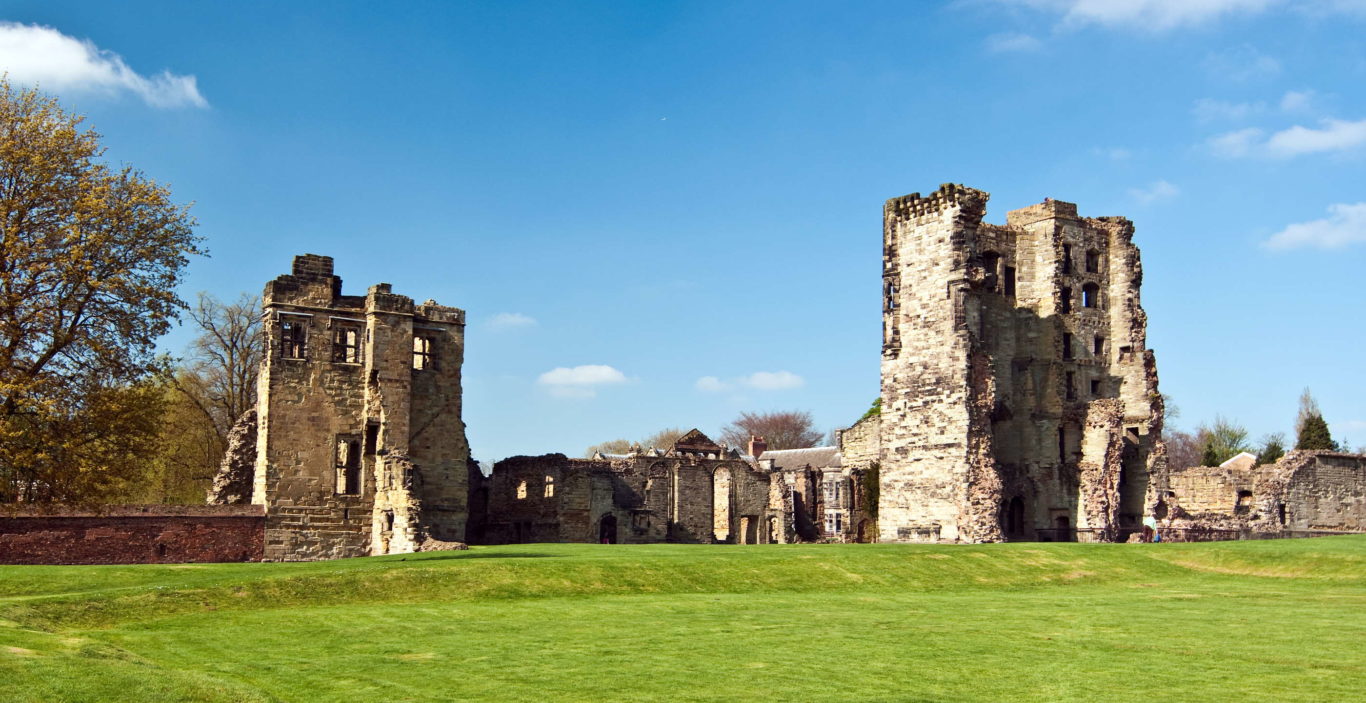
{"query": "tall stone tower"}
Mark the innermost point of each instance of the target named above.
(360, 444)
(1019, 399)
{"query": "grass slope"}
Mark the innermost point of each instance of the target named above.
(1247, 620)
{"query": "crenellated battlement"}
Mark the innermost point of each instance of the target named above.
(948, 196)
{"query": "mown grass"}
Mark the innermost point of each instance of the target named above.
(1249, 620)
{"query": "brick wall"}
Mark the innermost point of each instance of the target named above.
(134, 534)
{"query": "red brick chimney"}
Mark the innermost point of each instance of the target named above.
(757, 446)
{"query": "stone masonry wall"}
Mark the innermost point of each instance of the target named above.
(133, 534)
(360, 445)
(1018, 398)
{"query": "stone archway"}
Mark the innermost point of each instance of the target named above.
(607, 529)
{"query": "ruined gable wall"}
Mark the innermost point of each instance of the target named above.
(1320, 491)
(860, 444)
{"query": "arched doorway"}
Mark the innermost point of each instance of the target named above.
(720, 506)
(607, 529)
(1015, 517)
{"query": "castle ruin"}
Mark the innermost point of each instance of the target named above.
(1019, 398)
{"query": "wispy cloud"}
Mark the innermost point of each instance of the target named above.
(1297, 100)
(1011, 43)
(1143, 15)
(759, 381)
(511, 321)
(1114, 153)
(1344, 226)
(1210, 110)
(1157, 190)
(1330, 137)
(579, 381)
(33, 54)
(1241, 64)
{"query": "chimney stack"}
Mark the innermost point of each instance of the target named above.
(757, 446)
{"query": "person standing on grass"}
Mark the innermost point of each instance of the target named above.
(1150, 529)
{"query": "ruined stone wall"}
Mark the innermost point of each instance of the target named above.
(133, 534)
(860, 444)
(643, 499)
(361, 449)
(1325, 492)
(1208, 489)
(1018, 397)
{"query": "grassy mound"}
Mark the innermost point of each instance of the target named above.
(1256, 620)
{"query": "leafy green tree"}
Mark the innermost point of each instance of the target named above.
(90, 259)
(1314, 434)
(1273, 448)
(874, 409)
(1221, 441)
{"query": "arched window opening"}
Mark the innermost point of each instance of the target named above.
(1015, 517)
(721, 487)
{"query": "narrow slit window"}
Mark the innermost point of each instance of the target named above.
(422, 353)
(348, 466)
(1067, 258)
(371, 439)
(1065, 303)
(293, 339)
(1071, 385)
(1008, 280)
(1066, 346)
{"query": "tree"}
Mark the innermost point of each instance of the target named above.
(791, 429)
(1273, 448)
(1314, 434)
(219, 377)
(1183, 449)
(662, 439)
(874, 409)
(1308, 408)
(90, 258)
(1221, 441)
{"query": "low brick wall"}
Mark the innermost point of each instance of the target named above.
(133, 534)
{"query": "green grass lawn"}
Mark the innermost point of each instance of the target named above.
(1271, 621)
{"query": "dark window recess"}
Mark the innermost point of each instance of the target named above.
(1098, 346)
(1092, 261)
(991, 267)
(1095, 388)
(1062, 444)
(1065, 303)
(1066, 346)
(422, 353)
(371, 439)
(1090, 295)
(1071, 386)
(293, 339)
(348, 466)
(1067, 258)
(1008, 280)
(346, 345)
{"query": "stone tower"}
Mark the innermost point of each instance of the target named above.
(360, 445)
(1019, 399)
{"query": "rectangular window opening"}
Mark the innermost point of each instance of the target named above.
(346, 345)
(422, 353)
(1008, 281)
(1095, 388)
(348, 466)
(1067, 346)
(293, 339)
(1067, 258)
(1071, 386)
(1065, 303)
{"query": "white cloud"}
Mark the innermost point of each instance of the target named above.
(1012, 42)
(579, 381)
(1332, 136)
(1297, 100)
(1236, 143)
(1113, 153)
(1158, 190)
(32, 54)
(759, 381)
(1147, 15)
(1335, 135)
(511, 320)
(712, 384)
(1345, 225)
(774, 381)
(1209, 110)
(1241, 64)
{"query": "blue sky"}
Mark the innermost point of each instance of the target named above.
(664, 213)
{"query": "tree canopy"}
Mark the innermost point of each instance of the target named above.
(90, 258)
(784, 429)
